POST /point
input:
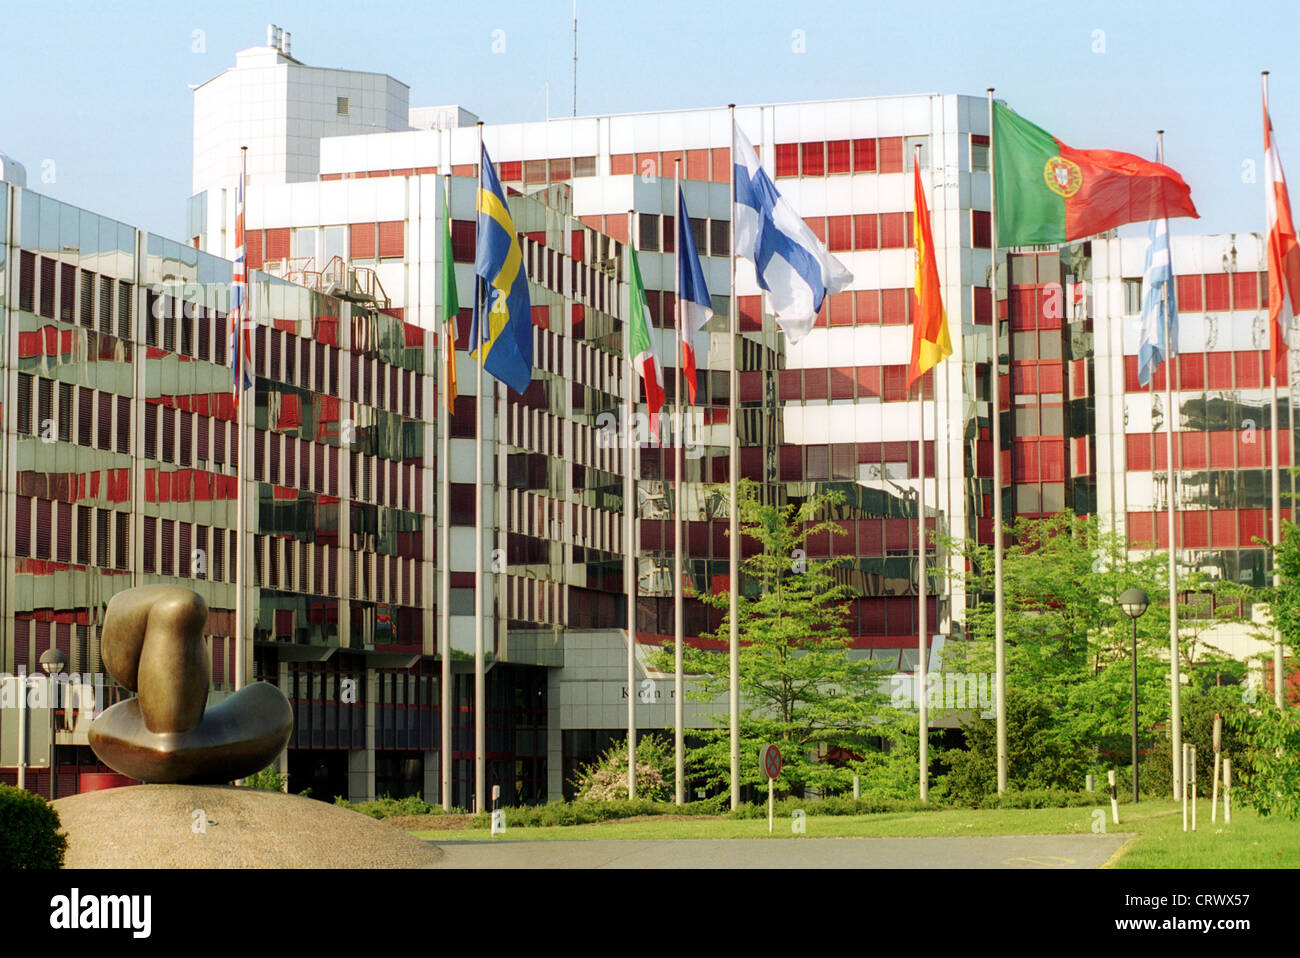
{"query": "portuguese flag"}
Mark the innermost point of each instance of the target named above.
(1048, 192)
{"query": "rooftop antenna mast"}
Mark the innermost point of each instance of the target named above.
(575, 57)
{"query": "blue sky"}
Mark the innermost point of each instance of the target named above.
(99, 110)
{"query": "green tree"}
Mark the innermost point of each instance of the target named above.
(1037, 755)
(799, 688)
(1270, 762)
(1069, 645)
(1284, 599)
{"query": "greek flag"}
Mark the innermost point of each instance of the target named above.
(791, 263)
(1157, 295)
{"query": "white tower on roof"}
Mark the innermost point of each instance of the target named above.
(279, 108)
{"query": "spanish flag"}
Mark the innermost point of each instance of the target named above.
(930, 342)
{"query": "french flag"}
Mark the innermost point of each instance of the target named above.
(696, 307)
(240, 361)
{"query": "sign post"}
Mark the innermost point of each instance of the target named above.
(770, 759)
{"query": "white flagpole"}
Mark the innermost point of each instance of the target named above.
(444, 547)
(241, 471)
(733, 468)
(1175, 653)
(923, 725)
(679, 734)
(995, 418)
(480, 676)
(629, 523)
(1279, 690)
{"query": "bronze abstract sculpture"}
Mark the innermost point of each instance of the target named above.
(153, 645)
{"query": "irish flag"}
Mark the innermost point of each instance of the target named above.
(1048, 192)
(1283, 249)
(642, 348)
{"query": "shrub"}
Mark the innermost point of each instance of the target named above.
(1044, 798)
(1155, 769)
(835, 805)
(29, 831)
(268, 779)
(605, 780)
(1039, 756)
(389, 807)
(587, 813)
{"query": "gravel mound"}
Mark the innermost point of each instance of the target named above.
(220, 826)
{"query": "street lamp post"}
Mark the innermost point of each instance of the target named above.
(1134, 602)
(53, 661)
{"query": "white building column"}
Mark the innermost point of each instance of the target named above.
(361, 762)
(554, 738)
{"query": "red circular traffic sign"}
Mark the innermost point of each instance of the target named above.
(772, 761)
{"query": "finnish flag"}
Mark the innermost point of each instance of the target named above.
(791, 263)
(1157, 291)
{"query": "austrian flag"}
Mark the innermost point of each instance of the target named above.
(1283, 250)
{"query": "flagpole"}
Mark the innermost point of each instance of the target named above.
(241, 553)
(1175, 653)
(1279, 691)
(995, 391)
(923, 725)
(679, 734)
(444, 546)
(480, 677)
(629, 528)
(733, 467)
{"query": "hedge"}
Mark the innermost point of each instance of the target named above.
(29, 831)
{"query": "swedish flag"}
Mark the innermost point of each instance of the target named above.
(506, 337)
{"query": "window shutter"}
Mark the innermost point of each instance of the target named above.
(123, 424)
(23, 526)
(85, 414)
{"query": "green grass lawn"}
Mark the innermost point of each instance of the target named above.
(1159, 842)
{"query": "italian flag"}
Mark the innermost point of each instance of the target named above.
(1283, 250)
(1048, 192)
(450, 310)
(642, 347)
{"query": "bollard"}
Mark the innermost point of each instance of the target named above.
(1227, 790)
(1090, 783)
(1214, 788)
(1186, 747)
(1192, 765)
(857, 787)
(1114, 796)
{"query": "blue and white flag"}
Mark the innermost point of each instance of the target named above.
(1157, 296)
(791, 263)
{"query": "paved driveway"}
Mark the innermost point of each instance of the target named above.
(1024, 851)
